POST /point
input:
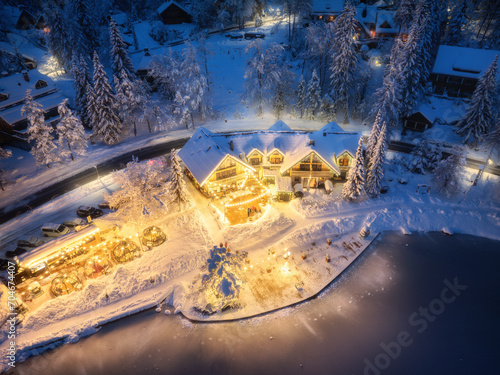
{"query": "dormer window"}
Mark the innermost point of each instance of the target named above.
(4, 96)
(40, 84)
(255, 158)
(276, 158)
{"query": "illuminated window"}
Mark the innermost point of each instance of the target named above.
(344, 161)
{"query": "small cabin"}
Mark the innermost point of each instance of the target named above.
(456, 70)
(418, 121)
(172, 13)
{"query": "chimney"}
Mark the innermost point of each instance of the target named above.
(25, 75)
(311, 142)
(231, 146)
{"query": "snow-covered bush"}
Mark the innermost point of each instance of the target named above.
(425, 156)
(449, 172)
(221, 285)
(160, 32)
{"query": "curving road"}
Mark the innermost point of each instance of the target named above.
(106, 167)
(89, 175)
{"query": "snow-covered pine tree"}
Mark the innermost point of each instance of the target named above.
(84, 30)
(44, 149)
(279, 101)
(81, 81)
(165, 71)
(449, 172)
(328, 108)
(375, 172)
(262, 73)
(91, 111)
(344, 59)
(387, 104)
(319, 43)
(434, 156)
(354, 186)
(17, 60)
(478, 117)
(372, 139)
(194, 83)
(415, 56)
(405, 12)
(108, 126)
(130, 97)
(418, 159)
(181, 109)
(300, 105)
(59, 35)
(313, 96)
(493, 138)
(120, 61)
(142, 195)
(457, 22)
(177, 187)
(71, 133)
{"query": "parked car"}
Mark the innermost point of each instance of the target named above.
(254, 35)
(75, 222)
(30, 241)
(11, 254)
(54, 230)
(235, 36)
(106, 206)
(299, 191)
(328, 186)
(4, 264)
(85, 211)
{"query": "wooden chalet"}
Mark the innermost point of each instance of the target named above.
(420, 120)
(172, 13)
(456, 70)
(13, 88)
(279, 155)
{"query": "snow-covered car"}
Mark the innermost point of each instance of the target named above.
(54, 230)
(30, 241)
(299, 191)
(328, 186)
(254, 35)
(84, 211)
(75, 222)
(18, 251)
(106, 206)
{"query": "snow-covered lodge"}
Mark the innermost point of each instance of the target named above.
(13, 88)
(280, 155)
(456, 70)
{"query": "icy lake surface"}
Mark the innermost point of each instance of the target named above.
(425, 303)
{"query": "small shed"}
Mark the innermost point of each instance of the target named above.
(172, 13)
(419, 120)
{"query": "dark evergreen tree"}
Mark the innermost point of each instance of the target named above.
(449, 172)
(300, 105)
(84, 30)
(81, 81)
(108, 126)
(354, 186)
(404, 13)
(58, 39)
(120, 61)
(454, 35)
(177, 187)
(479, 115)
(313, 96)
(344, 59)
(376, 172)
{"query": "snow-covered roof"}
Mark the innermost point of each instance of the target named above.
(165, 5)
(328, 6)
(463, 61)
(368, 11)
(280, 126)
(13, 114)
(43, 251)
(16, 86)
(427, 111)
(282, 183)
(206, 150)
(120, 18)
(385, 22)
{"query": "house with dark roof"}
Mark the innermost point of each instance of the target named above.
(13, 88)
(286, 156)
(172, 13)
(456, 70)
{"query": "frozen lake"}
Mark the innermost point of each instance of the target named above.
(426, 303)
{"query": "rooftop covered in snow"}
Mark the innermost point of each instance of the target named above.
(205, 151)
(463, 61)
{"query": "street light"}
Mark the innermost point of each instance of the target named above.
(98, 177)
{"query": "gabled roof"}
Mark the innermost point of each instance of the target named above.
(16, 85)
(168, 4)
(280, 126)
(205, 150)
(463, 62)
(385, 22)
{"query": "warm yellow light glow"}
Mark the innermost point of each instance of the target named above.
(285, 268)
